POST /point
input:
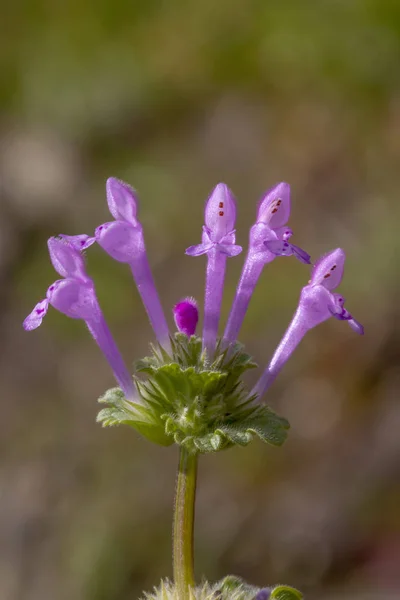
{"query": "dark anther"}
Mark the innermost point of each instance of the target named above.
(221, 213)
(221, 205)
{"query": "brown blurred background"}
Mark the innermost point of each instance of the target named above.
(174, 96)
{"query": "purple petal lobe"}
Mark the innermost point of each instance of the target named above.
(122, 200)
(328, 270)
(121, 240)
(199, 249)
(220, 213)
(186, 315)
(283, 248)
(66, 259)
(301, 254)
(75, 298)
(229, 249)
(338, 311)
(274, 207)
(279, 247)
(35, 319)
(79, 242)
(356, 326)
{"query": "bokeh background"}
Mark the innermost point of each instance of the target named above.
(174, 96)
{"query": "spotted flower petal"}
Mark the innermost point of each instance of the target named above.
(274, 207)
(79, 242)
(220, 212)
(328, 270)
(35, 318)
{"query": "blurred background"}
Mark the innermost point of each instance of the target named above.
(174, 96)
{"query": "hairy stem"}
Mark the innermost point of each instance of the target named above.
(184, 523)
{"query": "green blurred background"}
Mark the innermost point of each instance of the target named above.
(174, 96)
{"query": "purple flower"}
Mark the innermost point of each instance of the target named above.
(75, 296)
(317, 303)
(268, 239)
(218, 242)
(123, 240)
(263, 594)
(186, 315)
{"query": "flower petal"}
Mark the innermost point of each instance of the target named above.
(342, 314)
(301, 254)
(79, 242)
(121, 240)
(199, 249)
(220, 212)
(66, 259)
(229, 249)
(274, 207)
(328, 270)
(35, 318)
(122, 200)
(75, 298)
(356, 326)
(283, 248)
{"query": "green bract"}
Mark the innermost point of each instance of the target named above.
(188, 400)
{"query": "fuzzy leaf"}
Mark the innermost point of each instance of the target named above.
(284, 592)
(187, 400)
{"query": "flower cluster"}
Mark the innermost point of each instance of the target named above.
(194, 394)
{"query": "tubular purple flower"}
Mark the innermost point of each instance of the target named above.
(75, 296)
(123, 240)
(218, 242)
(268, 239)
(317, 304)
(186, 315)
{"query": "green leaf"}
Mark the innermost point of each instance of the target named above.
(284, 592)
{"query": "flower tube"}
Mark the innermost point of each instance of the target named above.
(123, 240)
(75, 296)
(317, 303)
(268, 239)
(218, 242)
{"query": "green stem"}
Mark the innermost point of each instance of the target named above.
(184, 523)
